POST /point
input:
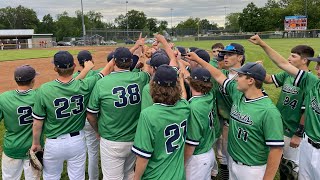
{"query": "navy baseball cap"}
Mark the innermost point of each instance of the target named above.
(234, 48)
(316, 59)
(254, 70)
(165, 76)
(63, 60)
(84, 56)
(158, 59)
(182, 50)
(110, 56)
(203, 54)
(122, 54)
(192, 49)
(24, 73)
(201, 74)
(220, 57)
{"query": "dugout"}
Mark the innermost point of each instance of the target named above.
(24, 38)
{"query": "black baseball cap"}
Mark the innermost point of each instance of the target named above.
(63, 60)
(316, 59)
(203, 54)
(158, 59)
(234, 48)
(182, 50)
(122, 54)
(201, 74)
(165, 76)
(110, 56)
(83, 56)
(254, 70)
(24, 73)
(220, 57)
(192, 49)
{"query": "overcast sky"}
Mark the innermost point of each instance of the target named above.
(213, 10)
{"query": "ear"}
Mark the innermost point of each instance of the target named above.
(55, 69)
(240, 57)
(251, 81)
(305, 61)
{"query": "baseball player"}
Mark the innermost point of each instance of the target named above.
(117, 99)
(15, 110)
(159, 140)
(290, 105)
(310, 147)
(92, 142)
(254, 123)
(199, 154)
(60, 110)
(217, 61)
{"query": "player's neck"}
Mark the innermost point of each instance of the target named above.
(304, 68)
(65, 79)
(115, 69)
(195, 93)
(253, 93)
(24, 88)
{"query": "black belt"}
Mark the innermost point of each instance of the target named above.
(314, 144)
(71, 134)
(240, 163)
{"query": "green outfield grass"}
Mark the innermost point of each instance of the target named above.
(253, 53)
(11, 55)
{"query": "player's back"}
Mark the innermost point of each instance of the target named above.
(62, 105)
(168, 127)
(119, 95)
(16, 109)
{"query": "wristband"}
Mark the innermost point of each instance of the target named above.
(299, 132)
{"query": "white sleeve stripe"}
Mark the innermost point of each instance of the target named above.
(92, 111)
(143, 154)
(37, 117)
(281, 143)
(275, 80)
(224, 85)
(192, 142)
(303, 107)
(298, 77)
(101, 75)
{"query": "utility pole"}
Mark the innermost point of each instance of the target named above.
(127, 19)
(171, 22)
(225, 16)
(83, 25)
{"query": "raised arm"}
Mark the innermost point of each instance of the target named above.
(215, 73)
(88, 65)
(108, 68)
(167, 48)
(280, 61)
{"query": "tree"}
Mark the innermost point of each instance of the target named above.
(152, 25)
(67, 26)
(18, 18)
(47, 25)
(232, 22)
(163, 25)
(253, 19)
(136, 20)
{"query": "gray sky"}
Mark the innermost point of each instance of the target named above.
(213, 10)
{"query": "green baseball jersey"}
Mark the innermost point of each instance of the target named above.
(255, 125)
(62, 105)
(16, 109)
(224, 102)
(214, 63)
(117, 99)
(290, 102)
(160, 138)
(310, 84)
(201, 130)
(146, 100)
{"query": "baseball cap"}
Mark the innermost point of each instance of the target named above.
(122, 54)
(220, 57)
(316, 59)
(63, 60)
(201, 74)
(203, 54)
(158, 59)
(24, 73)
(83, 56)
(254, 70)
(234, 48)
(192, 49)
(110, 56)
(165, 76)
(182, 50)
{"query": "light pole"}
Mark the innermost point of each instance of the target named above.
(225, 16)
(306, 8)
(83, 26)
(171, 22)
(127, 19)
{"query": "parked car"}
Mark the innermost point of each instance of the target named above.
(129, 41)
(62, 43)
(150, 41)
(111, 42)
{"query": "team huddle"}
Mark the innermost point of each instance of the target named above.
(166, 112)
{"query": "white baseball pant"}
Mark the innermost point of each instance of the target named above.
(199, 166)
(93, 151)
(291, 153)
(65, 147)
(117, 160)
(238, 171)
(309, 161)
(12, 169)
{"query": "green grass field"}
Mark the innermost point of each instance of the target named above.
(253, 53)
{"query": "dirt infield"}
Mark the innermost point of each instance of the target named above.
(45, 67)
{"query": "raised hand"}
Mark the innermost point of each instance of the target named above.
(256, 40)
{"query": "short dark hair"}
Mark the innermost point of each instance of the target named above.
(257, 83)
(65, 71)
(200, 86)
(304, 51)
(24, 83)
(217, 45)
(165, 95)
(123, 65)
